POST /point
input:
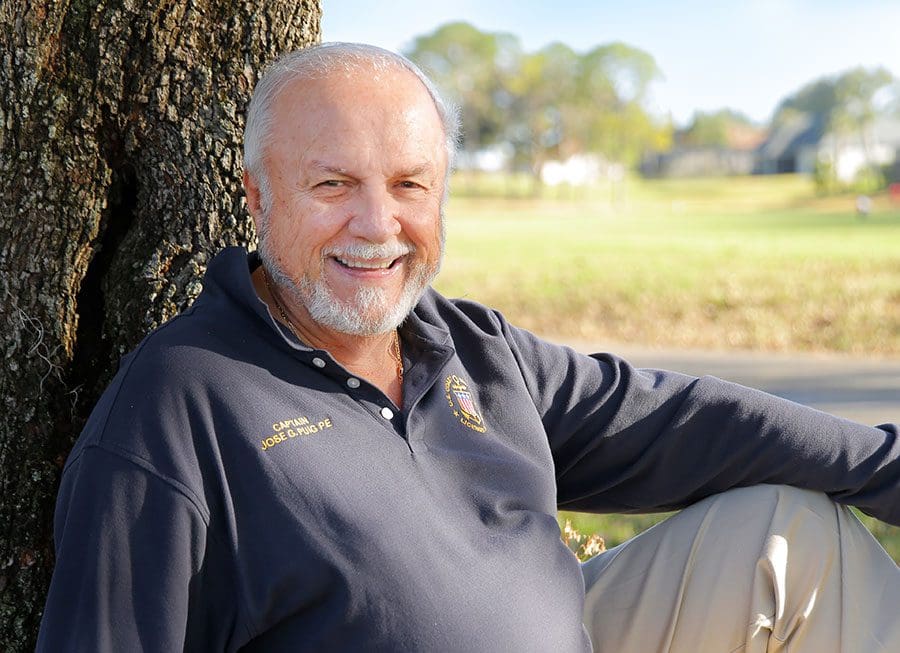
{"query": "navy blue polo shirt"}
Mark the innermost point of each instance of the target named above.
(235, 489)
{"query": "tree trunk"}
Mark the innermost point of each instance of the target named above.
(120, 136)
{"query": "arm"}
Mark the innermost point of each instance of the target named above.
(133, 560)
(634, 440)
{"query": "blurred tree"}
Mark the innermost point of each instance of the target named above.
(847, 105)
(715, 129)
(845, 101)
(548, 104)
(614, 82)
(473, 69)
(120, 132)
(818, 97)
(892, 99)
(855, 111)
(540, 125)
(629, 70)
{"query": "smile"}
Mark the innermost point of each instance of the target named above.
(362, 264)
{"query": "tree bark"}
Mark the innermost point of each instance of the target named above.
(120, 136)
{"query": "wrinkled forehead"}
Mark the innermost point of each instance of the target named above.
(390, 105)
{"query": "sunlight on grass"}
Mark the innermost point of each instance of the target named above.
(757, 264)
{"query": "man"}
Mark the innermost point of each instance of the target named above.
(324, 454)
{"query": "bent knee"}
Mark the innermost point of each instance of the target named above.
(785, 496)
(805, 518)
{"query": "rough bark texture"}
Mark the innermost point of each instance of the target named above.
(120, 130)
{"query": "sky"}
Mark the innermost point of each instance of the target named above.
(745, 55)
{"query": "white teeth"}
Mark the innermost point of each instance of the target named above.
(365, 265)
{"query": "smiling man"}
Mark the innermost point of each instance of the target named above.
(324, 454)
(347, 199)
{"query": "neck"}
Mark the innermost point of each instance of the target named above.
(369, 357)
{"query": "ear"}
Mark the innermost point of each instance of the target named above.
(251, 190)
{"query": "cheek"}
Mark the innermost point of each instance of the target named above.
(301, 233)
(285, 240)
(437, 239)
(425, 231)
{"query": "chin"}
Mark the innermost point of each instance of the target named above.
(370, 312)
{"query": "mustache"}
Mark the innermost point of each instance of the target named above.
(370, 250)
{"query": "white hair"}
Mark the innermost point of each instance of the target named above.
(317, 62)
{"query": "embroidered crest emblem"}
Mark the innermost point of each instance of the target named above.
(462, 402)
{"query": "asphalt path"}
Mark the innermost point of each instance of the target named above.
(864, 390)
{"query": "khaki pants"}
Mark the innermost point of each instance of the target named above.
(765, 568)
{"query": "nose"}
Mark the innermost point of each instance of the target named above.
(376, 217)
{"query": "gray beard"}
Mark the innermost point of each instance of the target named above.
(369, 313)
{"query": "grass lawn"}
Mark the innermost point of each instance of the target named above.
(738, 263)
(749, 263)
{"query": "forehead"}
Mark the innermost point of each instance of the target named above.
(387, 110)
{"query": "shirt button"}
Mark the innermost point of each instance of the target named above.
(387, 413)
(353, 382)
(318, 362)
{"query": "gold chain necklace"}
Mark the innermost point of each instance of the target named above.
(395, 354)
(281, 310)
(395, 342)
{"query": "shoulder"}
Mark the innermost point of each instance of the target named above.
(141, 399)
(156, 410)
(458, 316)
(203, 346)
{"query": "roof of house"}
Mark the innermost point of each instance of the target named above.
(794, 133)
(812, 130)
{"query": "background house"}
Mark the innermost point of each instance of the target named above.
(792, 146)
(798, 144)
(699, 162)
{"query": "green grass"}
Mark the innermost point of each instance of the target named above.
(615, 529)
(751, 263)
(889, 536)
(738, 263)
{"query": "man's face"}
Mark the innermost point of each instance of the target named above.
(356, 170)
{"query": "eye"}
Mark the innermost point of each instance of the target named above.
(409, 184)
(331, 183)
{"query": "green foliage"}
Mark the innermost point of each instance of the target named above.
(868, 180)
(845, 101)
(887, 535)
(614, 529)
(555, 102)
(713, 129)
(474, 69)
(542, 120)
(856, 91)
(824, 177)
(818, 97)
(846, 105)
(548, 104)
(630, 70)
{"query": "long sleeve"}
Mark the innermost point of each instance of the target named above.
(632, 440)
(133, 561)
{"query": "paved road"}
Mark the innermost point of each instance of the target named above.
(867, 391)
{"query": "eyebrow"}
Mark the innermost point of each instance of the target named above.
(420, 169)
(324, 167)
